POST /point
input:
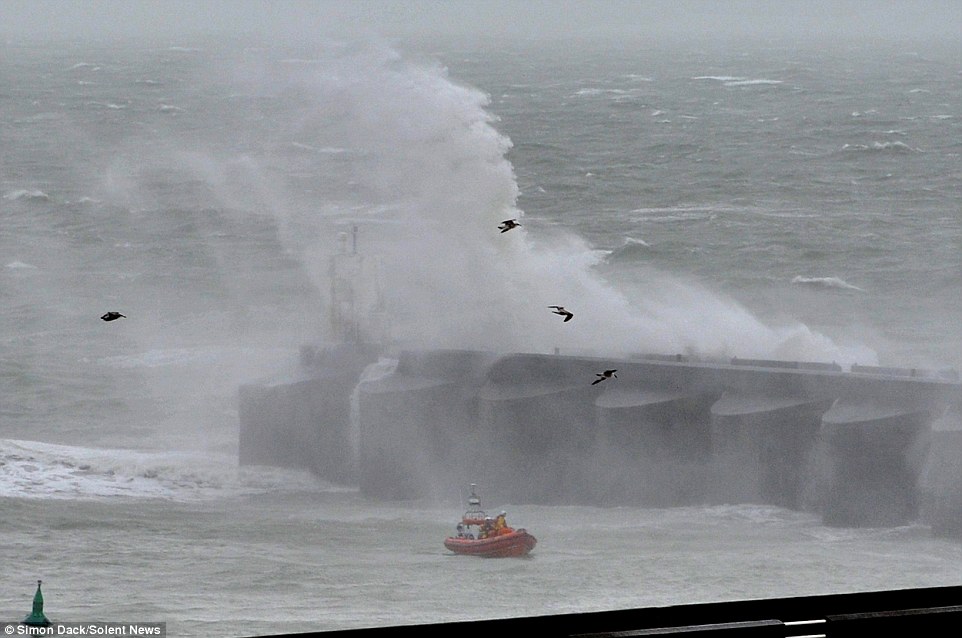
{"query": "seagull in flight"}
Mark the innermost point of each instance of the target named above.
(508, 224)
(110, 316)
(560, 310)
(607, 374)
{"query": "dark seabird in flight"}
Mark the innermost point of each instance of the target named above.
(607, 374)
(560, 310)
(110, 316)
(508, 224)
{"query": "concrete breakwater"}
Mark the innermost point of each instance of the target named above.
(862, 447)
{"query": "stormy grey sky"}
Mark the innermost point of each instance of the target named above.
(306, 20)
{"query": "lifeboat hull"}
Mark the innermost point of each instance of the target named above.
(515, 543)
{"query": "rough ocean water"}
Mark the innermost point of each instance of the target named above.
(756, 200)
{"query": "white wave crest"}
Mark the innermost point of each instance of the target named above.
(327, 150)
(27, 195)
(31, 469)
(826, 282)
(19, 265)
(760, 81)
(720, 78)
(890, 147)
(736, 80)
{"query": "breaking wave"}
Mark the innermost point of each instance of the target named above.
(734, 80)
(630, 249)
(884, 147)
(825, 282)
(428, 157)
(27, 195)
(30, 469)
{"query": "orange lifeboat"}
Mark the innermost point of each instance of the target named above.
(478, 536)
(516, 542)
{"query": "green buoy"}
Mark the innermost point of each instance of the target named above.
(36, 617)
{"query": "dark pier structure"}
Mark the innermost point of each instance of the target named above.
(862, 447)
(866, 446)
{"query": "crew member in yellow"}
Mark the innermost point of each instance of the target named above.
(487, 528)
(501, 525)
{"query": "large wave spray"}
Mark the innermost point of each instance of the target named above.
(426, 156)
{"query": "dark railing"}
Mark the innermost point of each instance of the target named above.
(920, 612)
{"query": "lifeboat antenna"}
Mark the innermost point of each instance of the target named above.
(474, 499)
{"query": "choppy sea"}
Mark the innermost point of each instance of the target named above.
(755, 200)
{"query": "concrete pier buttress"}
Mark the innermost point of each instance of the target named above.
(867, 447)
(405, 435)
(534, 441)
(653, 446)
(762, 447)
(305, 421)
(940, 484)
(418, 426)
(869, 461)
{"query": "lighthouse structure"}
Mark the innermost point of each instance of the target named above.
(36, 617)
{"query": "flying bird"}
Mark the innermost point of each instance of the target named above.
(508, 224)
(607, 374)
(560, 310)
(110, 316)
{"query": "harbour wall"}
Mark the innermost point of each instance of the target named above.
(861, 447)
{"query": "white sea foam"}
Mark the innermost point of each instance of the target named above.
(26, 195)
(891, 147)
(35, 470)
(759, 514)
(825, 282)
(630, 247)
(675, 214)
(720, 78)
(19, 265)
(760, 81)
(736, 80)
(894, 146)
(327, 150)
(108, 105)
(31, 469)
(616, 93)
